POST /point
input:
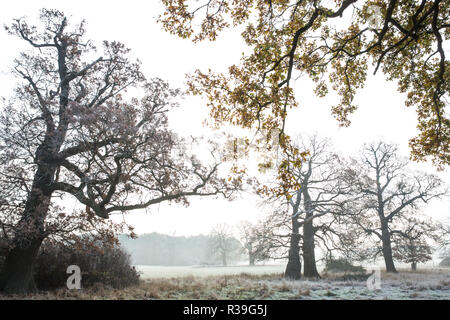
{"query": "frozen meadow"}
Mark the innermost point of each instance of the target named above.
(150, 272)
(261, 282)
(266, 282)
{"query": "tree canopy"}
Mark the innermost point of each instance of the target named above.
(336, 44)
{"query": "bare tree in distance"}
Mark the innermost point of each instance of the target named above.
(416, 239)
(257, 241)
(387, 190)
(277, 228)
(72, 128)
(222, 243)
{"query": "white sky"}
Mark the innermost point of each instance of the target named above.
(381, 113)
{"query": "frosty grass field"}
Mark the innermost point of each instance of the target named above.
(260, 282)
(148, 272)
(423, 284)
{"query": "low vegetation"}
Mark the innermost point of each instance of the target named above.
(424, 284)
(445, 262)
(342, 265)
(108, 264)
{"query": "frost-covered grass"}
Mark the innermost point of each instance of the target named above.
(424, 284)
(405, 285)
(151, 272)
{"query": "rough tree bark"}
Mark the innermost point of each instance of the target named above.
(294, 266)
(19, 262)
(18, 270)
(387, 250)
(309, 257)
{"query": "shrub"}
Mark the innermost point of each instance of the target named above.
(108, 264)
(445, 262)
(99, 263)
(342, 265)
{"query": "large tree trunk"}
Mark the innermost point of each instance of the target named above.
(251, 258)
(294, 266)
(414, 266)
(387, 249)
(18, 270)
(17, 274)
(309, 257)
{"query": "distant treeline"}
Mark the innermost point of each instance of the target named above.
(166, 250)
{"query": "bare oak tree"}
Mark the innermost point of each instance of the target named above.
(257, 241)
(223, 244)
(73, 129)
(320, 194)
(386, 191)
(411, 246)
